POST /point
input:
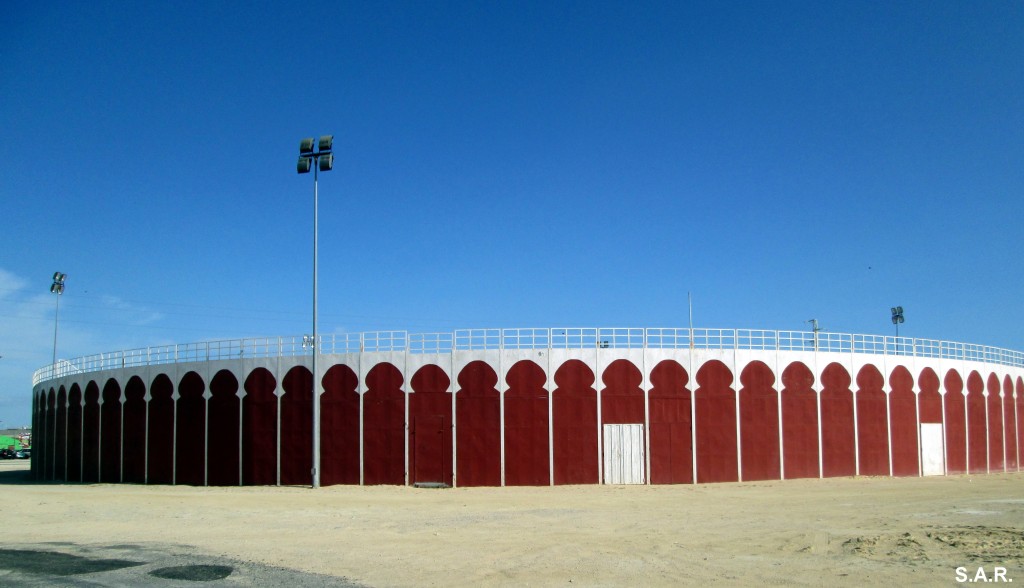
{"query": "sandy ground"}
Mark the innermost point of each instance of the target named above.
(860, 531)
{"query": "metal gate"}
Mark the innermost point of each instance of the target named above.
(624, 457)
(428, 450)
(933, 461)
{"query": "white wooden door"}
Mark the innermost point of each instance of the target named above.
(933, 461)
(624, 454)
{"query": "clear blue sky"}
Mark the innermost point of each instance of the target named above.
(508, 164)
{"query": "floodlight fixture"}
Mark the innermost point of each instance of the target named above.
(322, 158)
(58, 283)
(897, 318)
(897, 315)
(326, 142)
(326, 161)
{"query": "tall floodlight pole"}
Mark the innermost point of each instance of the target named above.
(897, 318)
(320, 159)
(58, 289)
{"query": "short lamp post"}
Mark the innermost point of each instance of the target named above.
(58, 289)
(319, 159)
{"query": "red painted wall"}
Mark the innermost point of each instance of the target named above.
(430, 427)
(574, 408)
(956, 424)
(478, 414)
(51, 435)
(49, 421)
(38, 445)
(837, 427)
(75, 434)
(39, 468)
(1009, 425)
(622, 399)
(976, 435)
(872, 423)
(339, 427)
(903, 419)
(715, 408)
(92, 431)
(60, 437)
(297, 428)
(36, 462)
(384, 426)
(1020, 421)
(759, 423)
(46, 421)
(49, 428)
(134, 447)
(110, 433)
(526, 426)
(40, 442)
(995, 425)
(47, 403)
(91, 434)
(161, 431)
(190, 434)
(799, 422)
(671, 432)
(259, 429)
(224, 430)
(929, 400)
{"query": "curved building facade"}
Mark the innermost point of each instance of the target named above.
(531, 407)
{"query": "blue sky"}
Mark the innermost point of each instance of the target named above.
(512, 164)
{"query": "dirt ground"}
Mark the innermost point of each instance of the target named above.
(851, 531)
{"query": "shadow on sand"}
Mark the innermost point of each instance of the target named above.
(16, 476)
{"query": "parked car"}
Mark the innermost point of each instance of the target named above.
(23, 454)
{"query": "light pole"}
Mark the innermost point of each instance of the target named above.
(321, 159)
(897, 318)
(58, 289)
(814, 328)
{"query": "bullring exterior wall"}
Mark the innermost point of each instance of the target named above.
(537, 416)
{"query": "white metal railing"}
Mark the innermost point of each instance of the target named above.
(533, 338)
